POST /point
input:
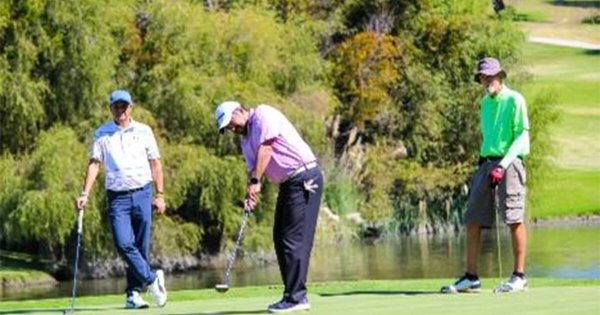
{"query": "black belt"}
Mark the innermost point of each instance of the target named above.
(484, 159)
(125, 192)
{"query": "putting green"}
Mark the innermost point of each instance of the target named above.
(545, 296)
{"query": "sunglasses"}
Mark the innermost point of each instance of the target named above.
(120, 105)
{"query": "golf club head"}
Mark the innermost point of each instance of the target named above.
(500, 289)
(221, 287)
(448, 289)
(68, 312)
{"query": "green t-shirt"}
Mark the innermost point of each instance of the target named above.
(503, 119)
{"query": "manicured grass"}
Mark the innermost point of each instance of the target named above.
(567, 192)
(574, 75)
(558, 21)
(530, 16)
(546, 296)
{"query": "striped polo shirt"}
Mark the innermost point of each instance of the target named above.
(125, 154)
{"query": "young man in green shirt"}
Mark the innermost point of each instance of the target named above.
(501, 175)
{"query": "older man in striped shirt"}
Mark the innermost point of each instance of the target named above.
(130, 156)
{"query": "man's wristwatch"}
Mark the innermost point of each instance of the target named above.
(254, 180)
(83, 194)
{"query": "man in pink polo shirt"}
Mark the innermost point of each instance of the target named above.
(274, 149)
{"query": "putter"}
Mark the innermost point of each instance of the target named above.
(79, 232)
(498, 245)
(223, 287)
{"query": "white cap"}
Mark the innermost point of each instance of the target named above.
(224, 112)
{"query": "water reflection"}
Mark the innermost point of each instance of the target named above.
(553, 252)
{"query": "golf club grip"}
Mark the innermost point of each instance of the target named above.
(496, 214)
(79, 221)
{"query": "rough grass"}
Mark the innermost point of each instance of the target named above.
(546, 296)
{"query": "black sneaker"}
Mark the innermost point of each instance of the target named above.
(284, 306)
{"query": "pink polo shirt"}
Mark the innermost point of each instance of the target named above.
(289, 149)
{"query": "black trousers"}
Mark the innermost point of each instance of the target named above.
(294, 229)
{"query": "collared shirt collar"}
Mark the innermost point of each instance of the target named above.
(250, 120)
(251, 116)
(116, 127)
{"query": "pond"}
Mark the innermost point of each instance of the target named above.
(557, 252)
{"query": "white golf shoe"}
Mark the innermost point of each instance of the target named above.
(514, 284)
(135, 301)
(462, 285)
(157, 289)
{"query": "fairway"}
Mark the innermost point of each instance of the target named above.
(573, 75)
(549, 20)
(365, 297)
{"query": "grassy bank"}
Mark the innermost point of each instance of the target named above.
(17, 269)
(11, 277)
(376, 297)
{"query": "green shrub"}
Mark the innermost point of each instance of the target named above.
(341, 193)
(399, 73)
(44, 213)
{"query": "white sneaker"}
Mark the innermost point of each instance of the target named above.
(135, 301)
(463, 285)
(514, 284)
(157, 289)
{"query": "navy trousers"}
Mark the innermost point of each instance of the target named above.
(294, 229)
(130, 215)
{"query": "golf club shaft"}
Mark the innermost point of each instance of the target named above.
(237, 244)
(498, 245)
(79, 232)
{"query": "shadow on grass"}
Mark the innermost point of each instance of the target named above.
(578, 3)
(378, 293)
(228, 312)
(593, 52)
(20, 261)
(57, 310)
